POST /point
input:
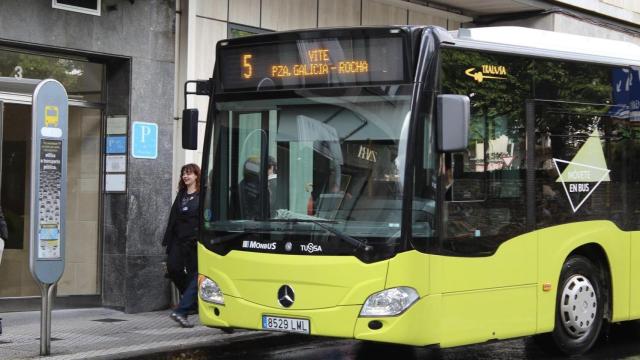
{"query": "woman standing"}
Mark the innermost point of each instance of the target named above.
(180, 241)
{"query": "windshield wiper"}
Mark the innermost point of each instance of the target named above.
(339, 234)
(296, 220)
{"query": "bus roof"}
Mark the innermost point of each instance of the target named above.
(544, 43)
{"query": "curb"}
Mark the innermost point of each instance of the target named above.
(238, 339)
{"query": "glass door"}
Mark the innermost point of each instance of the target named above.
(82, 265)
(15, 277)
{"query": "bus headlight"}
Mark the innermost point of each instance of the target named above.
(389, 302)
(209, 290)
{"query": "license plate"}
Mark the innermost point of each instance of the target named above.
(277, 323)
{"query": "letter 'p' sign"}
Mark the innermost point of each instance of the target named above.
(144, 140)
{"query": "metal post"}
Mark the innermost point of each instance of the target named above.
(49, 137)
(45, 318)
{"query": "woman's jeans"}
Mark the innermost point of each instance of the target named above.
(189, 300)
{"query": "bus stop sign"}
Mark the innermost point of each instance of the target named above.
(50, 112)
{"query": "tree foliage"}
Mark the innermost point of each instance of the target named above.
(505, 96)
(15, 64)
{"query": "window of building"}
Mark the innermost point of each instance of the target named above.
(91, 7)
(82, 79)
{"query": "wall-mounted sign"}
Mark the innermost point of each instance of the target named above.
(116, 144)
(116, 163)
(144, 140)
(117, 125)
(115, 168)
(115, 182)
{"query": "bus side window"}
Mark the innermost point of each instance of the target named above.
(454, 169)
(485, 184)
(467, 169)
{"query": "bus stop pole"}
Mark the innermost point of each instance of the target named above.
(45, 318)
(49, 138)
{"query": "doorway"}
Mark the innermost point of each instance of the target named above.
(82, 265)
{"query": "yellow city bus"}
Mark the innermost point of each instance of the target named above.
(411, 185)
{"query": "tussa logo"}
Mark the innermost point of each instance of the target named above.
(257, 245)
(311, 248)
(487, 72)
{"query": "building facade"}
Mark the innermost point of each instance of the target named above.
(118, 69)
(204, 22)
(124, 65)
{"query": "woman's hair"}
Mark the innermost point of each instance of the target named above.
(189, 168)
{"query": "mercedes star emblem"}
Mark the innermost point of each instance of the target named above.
(286, 296)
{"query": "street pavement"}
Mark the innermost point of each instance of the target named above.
(100, 333)
(622, 343)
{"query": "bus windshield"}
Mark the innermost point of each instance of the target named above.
(314, 166)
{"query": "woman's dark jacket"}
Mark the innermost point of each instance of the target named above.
(182, 226)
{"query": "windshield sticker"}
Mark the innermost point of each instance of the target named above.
(258, 245)
(487, 72)
(367, 154)
(584, 173)
(311, 248)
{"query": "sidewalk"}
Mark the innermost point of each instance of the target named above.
(100, 333)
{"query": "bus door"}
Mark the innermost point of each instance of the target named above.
(250, 133)
(583, 162)
(254, 143)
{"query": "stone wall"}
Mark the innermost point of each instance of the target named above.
(136, 42)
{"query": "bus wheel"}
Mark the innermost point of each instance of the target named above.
(580, 306)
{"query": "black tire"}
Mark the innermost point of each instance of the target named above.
(579, 307)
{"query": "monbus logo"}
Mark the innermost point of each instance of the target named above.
(487, 72)
(258, 245)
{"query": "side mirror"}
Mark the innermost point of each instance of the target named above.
(453, 122)
(190, 129)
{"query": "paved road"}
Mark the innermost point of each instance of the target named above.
(623, 343)
(98, 333)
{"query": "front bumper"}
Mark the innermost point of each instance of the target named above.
(410, 327)
(238, 313)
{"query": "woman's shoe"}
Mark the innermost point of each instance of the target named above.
(192, 312)
(180, 319)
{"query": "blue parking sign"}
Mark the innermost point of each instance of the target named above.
(144, 140)
(116, 144)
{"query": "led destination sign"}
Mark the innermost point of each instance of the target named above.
(319, 63)
(313, 63)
